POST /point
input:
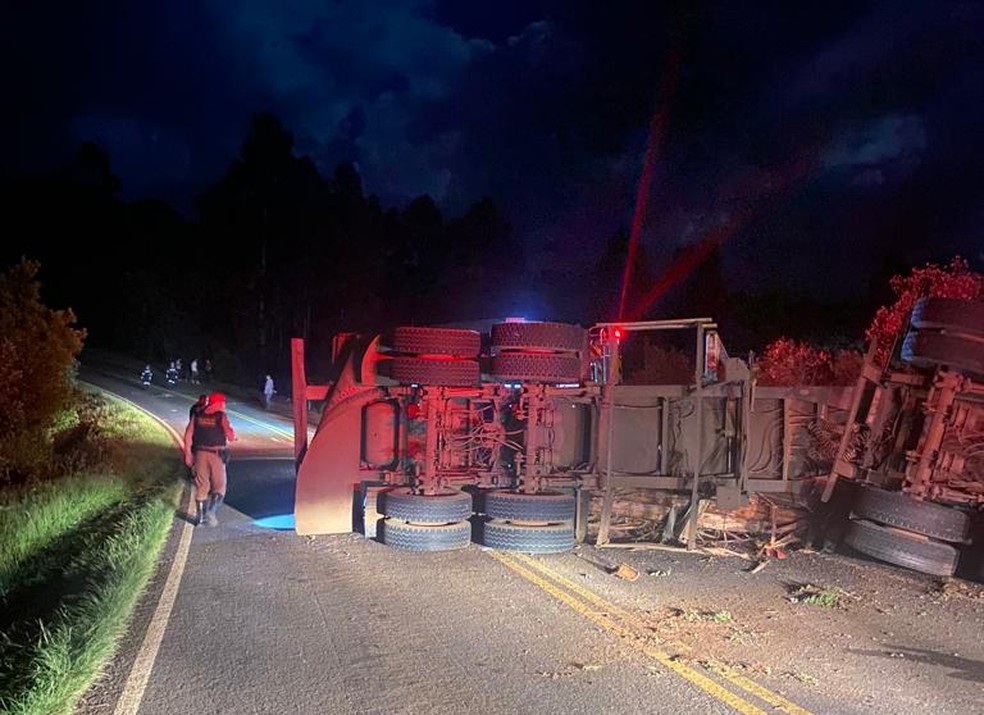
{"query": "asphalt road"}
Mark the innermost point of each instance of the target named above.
(249, 617)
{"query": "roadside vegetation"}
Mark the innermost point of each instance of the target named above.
(837, 360)
(88, 491)
(790, 362)
(822, 596)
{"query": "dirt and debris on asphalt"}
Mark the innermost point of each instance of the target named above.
(839, 622)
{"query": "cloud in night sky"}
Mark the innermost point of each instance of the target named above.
(545, 106)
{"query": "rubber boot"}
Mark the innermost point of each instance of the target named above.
(214, 502)
(202, 510)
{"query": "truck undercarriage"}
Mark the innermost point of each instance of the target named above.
(433, 437)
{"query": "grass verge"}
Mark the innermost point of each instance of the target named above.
(76, 555)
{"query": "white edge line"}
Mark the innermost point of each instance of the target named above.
(143, 664)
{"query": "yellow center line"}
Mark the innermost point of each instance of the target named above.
(643, 632)
(729, 674)
(774, 699)
(698, 679)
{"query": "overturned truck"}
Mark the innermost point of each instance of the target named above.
(431, 438)
(913, 444)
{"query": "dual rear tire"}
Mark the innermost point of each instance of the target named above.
(509, 521)
(541, 352)
(946, 332)
(445, 357)
(898, 529)
(533, 523)
(425, 522)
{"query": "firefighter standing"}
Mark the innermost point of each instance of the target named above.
(206, 441)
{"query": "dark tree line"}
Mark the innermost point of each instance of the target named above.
(278, 251)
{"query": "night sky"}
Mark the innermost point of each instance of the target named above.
(829, 138)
